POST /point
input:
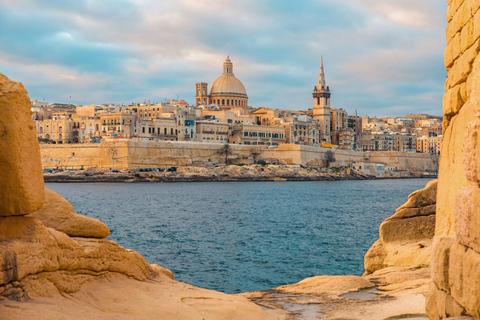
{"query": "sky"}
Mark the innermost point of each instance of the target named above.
(381, 57)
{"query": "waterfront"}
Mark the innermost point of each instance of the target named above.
(236, 237)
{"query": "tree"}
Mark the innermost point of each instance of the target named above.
(329, 157)
(227, 151)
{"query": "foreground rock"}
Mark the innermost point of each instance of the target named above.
(406, 237)
(387, 293)
(21, 179)
(58, 214)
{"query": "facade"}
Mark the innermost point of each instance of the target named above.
(226, 92)
(164, 129)
(212, 131)
(57, 130)
(256, 135)
(117, 124)
(429, 144)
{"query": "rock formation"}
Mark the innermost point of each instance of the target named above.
(54, 263)
(21, 178)
(455, 287)
(57, 213)
(406, 237)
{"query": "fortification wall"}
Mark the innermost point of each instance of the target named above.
(405, 160)
(136, 154)
(313, 156)
(455, 288)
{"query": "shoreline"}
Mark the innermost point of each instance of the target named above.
(222, 174)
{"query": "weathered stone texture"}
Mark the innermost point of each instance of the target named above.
(441, 261)
(471, 155)
(21, 176)
(455, 290)
(408, 230)
(58, 214)
(439, 305)
(467, 217)
(452, 171)
(405, 237)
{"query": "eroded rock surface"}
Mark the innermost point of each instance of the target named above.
(57, 213)
(406, 237)
(21, 170)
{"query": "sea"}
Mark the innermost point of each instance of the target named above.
(245, 236)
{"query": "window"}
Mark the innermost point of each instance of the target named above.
(143, 129)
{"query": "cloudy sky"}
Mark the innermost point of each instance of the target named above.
(382, 57)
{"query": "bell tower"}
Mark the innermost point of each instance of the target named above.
(201, 93)
(321, 105)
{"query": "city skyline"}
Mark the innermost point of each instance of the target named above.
(381, 58)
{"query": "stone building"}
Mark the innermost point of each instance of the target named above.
(212, 131)
(256, 135)
(55, 130)
(226, 92)
(117, 124)
(430, 145)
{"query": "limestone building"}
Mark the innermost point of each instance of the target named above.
(226, 92)
(321, 105)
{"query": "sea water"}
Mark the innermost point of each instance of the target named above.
(244, 236)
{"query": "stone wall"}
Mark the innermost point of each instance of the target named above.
(455, 289)
(134, 154)
(405, 160)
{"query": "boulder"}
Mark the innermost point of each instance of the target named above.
(405, 237)
(21, 178)
(58, 214)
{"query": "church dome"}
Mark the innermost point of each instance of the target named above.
(228, 84)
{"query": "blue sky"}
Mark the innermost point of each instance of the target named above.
(382, 57)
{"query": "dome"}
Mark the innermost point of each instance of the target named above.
(228, 84)
(182, 102)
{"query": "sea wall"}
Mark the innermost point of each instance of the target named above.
(137, 154)
(455, 289)
(313, 156)
(405, 160)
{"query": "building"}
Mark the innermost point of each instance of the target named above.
(338, 122)
(226, 92)
(430, 145)
(57, 130)
(256, 135)
(321, 106)
(117, 124)
(211, 131)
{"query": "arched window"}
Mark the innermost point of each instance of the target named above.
(223, 102)
(228, 102)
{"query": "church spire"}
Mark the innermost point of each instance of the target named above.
(321, 76)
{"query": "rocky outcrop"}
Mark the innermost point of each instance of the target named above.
(390, 293)
(455, 287)
(57, 213)
(221, 173)
(406, 237)
(21, 178)
(52, 264)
